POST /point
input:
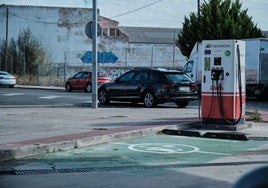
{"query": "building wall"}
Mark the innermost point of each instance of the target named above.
(146, 55)
(60, 30)
(62, 33)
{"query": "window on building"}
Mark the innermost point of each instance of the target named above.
(112, 32)
(105, 32)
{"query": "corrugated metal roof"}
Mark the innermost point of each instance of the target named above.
(265, 33)
(150, 34)
(154, 35)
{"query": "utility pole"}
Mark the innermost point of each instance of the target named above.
(198, 8)
(6, 44)
(95, 58)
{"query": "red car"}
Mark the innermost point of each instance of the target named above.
(82, 81)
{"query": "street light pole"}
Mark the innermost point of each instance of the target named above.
(6, 44)
(95, 58)
(198, 8)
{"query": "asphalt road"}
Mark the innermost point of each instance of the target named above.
(160, 161)
(156, 161)
(42, 97)
(59, 97)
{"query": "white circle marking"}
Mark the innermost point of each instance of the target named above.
(163, 148)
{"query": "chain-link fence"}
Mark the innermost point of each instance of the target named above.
(55, 74)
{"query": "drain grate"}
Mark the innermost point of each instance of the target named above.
(7, 173)
(138, 170)
(72, 170)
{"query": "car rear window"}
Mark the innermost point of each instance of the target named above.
(175, 77)
(102, 74)
(4, 73)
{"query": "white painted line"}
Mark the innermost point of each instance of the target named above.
(163, 148)
(50, 97)
(214, 153)
(13, 94)
(166, 148)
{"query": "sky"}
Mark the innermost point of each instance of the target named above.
(150, 13)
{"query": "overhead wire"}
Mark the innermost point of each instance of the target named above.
(32, 20)
(47, 22)
(145, 6)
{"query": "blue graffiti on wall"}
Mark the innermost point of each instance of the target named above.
(103, 57)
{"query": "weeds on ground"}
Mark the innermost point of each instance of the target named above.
(41, 81)
(255, 116)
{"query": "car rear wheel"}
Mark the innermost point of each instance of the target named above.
(68, 87)
(88, 88)
(182, 104)
(103, 97)
(149, 100)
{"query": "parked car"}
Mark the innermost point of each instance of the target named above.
(83, 81)
(7, 79)
(150, 86)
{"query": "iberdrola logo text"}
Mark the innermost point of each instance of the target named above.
(217, 45)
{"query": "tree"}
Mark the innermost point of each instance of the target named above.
(218, 19)
(24, 54)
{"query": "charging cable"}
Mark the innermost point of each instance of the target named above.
(219, 93)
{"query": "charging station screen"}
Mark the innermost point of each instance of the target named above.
(217, 61)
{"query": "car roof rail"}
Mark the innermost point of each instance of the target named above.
(167, 69)
(156, 68)
(143, 68)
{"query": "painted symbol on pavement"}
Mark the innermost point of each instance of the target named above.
(166, 148)
(163, 148)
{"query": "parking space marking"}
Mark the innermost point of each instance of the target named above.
(214, 153)
(50, 97)
(12, 94)
(165, 148)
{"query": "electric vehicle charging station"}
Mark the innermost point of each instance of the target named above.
(223, 82)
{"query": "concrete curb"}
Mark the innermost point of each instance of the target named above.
(40, 87)
(30, 148)
(19, 149)
(40, 106)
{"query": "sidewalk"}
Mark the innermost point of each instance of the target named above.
(32, 131)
